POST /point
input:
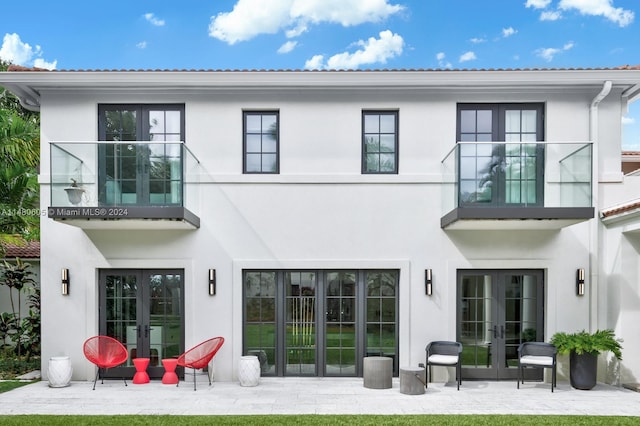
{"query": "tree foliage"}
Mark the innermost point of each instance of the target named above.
(19, 160)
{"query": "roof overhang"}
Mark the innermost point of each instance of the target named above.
(28, 85)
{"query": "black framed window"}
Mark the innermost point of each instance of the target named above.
(148, 173)
(380, 142)
(261, 142)
(509, 173)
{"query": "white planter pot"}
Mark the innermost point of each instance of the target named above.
(249, 371)
(60, 371)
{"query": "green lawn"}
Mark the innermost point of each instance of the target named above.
(11, 384)
(303, 420)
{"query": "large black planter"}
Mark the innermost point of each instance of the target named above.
(583, 370)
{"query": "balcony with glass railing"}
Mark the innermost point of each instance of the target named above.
(506, 185)
(124, 185)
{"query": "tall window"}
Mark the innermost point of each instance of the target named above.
(380, 142)
(148, 173)
(261, 142)
(501, 174)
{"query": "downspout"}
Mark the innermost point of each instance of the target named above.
(594, 243)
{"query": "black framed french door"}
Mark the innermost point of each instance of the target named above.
(320, 322)
(143, 309)
(140, 174)
(510, 173)
(498, 310)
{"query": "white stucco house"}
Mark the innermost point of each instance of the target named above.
(317, 217)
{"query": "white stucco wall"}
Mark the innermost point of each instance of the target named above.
(319, 212)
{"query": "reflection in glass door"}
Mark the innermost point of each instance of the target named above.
(300, 323)
(498, 310)
(340, 325)
(143, 310)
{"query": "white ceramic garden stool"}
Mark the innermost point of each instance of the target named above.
(249, 371)
(60, 371)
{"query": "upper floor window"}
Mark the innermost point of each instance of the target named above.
(146, 173)
(261, 142)
(379, 142)
(508, 173)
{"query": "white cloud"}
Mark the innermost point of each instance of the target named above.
(548, 15)
(603, 8)
(468, 56)
(548, 53)
(142, 45)
(153, 20)
(442, 63)
(250, 18)
(628, 120)
(508, 32)
(315, 63)
(288, 46)
(537, 4)
(477, 40)
(15, 51)
(373, 50)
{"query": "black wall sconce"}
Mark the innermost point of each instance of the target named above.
(428, 282)
(580, 282)
(65, 282)
(212, 282)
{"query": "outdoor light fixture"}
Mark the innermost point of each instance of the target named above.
(212, 282)
(65, 282)
(580, 282)
(428, 282)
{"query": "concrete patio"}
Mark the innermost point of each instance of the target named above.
(317, 396)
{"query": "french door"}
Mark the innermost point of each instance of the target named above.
(143, 309)
(498, 310)
(509, 174)
(140, 174)
(321, 322)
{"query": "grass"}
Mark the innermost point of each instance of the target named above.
(304, 420)
(8, 385)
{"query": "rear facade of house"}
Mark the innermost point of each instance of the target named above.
(315, 218)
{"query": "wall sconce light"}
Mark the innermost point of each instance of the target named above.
(212, 282)
(65, 282)
(580, 282)
(428, 282)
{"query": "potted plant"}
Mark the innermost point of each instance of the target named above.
(583, 349)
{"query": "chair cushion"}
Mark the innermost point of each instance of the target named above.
(443, 359)
(537, 360)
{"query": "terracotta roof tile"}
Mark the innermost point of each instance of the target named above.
(622, 67)
(623, 208)
(30, 250)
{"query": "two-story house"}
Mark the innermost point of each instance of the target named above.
(317, 217)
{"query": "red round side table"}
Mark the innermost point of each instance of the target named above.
(170, 377)
(141, 376)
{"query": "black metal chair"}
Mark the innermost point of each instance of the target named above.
(445, 354)
(537, 355)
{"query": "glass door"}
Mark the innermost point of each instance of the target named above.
(143, 310)
(340, 324)
(498, 310)
(300, 338)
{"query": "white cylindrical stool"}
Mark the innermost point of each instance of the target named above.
(377, 372)
(412, 380)
(249, 371)
(60, 371)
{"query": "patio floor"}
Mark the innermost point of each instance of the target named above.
(317, 396)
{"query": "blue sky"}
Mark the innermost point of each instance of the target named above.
(325, 34)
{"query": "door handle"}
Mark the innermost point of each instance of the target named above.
(502, 331)
(139, 331)
(146, 331)
(495, 331)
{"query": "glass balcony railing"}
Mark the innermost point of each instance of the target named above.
(126, 175)
(508, 175)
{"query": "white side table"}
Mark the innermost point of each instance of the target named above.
(249, 371)
(60, 371)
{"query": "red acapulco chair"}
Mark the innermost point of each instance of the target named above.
(199, 356)
(105, 352)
